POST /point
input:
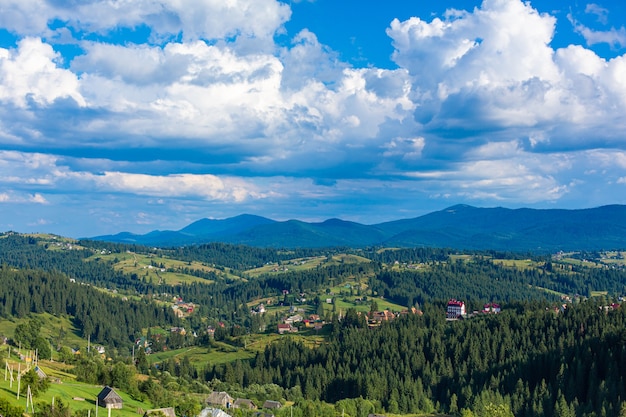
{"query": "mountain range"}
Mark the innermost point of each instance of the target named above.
(458, 227)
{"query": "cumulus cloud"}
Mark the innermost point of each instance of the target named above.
(309, 61)
(210, 109)
(31, 73)
(494, 69)
(248, 20)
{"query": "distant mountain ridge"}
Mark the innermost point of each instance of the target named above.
(459, 227)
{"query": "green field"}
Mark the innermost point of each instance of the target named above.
(144, 267)
(366, 306)
(304, 264)
(221, 352)
(58, 329)
(78, 396)
(202, 356)
(516, 263)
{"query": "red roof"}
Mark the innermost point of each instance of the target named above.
(454, 302)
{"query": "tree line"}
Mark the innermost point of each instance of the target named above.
(109, 320)
(530, 360)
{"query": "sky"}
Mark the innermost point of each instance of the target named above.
(140, 115)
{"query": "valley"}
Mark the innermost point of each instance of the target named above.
(166, 327)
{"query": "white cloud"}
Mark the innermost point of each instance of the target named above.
(39, 222)
(38, 198)
(26, 17)
(30, 72)
(209, 187)
(16, 197)
(499, 43)
(613, 37)
(405, 148)
(480, 107)
(252, 22)
(600, 12)
(46, 172)
(309, 61)
(494, 68)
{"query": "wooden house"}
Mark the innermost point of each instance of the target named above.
(221, 399)
(272, 404)
(160, 412)
(108, 398)
(244, 403)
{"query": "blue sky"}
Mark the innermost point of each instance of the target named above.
(151, 114)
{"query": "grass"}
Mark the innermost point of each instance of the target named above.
(549, 291)
(522, 264)
(304, 264)
(454, 258)
(77, 395)
(366, 306)
(143, 266)
(202, 356)
(59, 329)
(299, 264)
(221, 352)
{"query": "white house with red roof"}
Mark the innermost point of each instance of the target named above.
(491, 308)
(455, 309)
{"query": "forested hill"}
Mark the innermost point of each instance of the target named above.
(107, 320)
(207, 317)
(459, 227)
(533, 362)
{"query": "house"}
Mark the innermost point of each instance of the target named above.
(179, 330)
(220, 398)
(491, 308)
(380, 316)
(108, 398)
(411, 310)
(272, 404)
(40, 373)
(160, 412)
(214, 412)
(294, 319)
(455, 309)
(245, 404)
(286, 328)
(211, 332)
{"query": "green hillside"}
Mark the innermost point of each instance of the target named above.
(176, 324)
